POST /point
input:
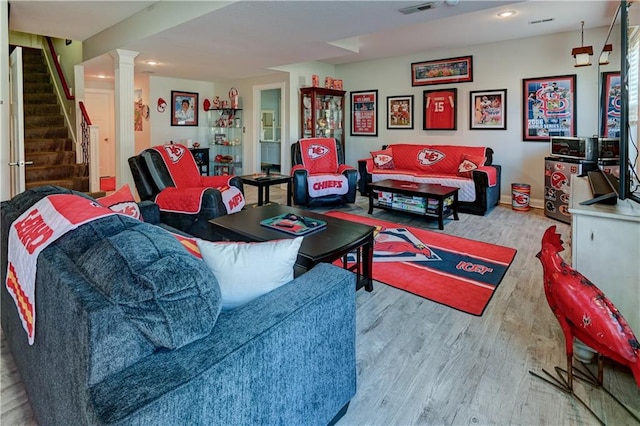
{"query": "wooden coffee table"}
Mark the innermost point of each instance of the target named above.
(329, 244)
(420, 190)
(263, 182)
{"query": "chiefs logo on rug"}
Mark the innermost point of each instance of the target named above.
(428, 157)
(399, 245)
(175, 152)
(316, 151)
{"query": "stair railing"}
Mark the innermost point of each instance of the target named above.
(89, 145)
(66, 98)
(85, 125)
(90, 148)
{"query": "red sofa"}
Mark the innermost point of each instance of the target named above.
(469, 168)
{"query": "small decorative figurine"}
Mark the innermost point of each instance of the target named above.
(162, 105)
(233, 97)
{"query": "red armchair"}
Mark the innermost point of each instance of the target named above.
(320, 176)
(169, 176)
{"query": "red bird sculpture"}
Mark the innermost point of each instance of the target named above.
(584, 312)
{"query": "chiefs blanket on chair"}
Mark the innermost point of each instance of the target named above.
(189, 189)
(45, 222)
(320, 159)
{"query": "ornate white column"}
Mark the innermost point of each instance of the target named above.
(124, 99)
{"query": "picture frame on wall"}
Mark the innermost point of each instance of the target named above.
(400, 112)
(488, 109)
(442, 71)
(440, 109)
(611, 103)
(184, 108)
(549, 107)
(364, 113)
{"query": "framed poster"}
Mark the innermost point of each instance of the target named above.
(138, 108)
(184, 108)
(610, 105)
(488, 110)
(441, 71)
(364, 113)
(440, 109)
(549, 107)
(400, 112)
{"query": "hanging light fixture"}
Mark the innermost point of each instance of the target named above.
(583, 53)
(604, 55)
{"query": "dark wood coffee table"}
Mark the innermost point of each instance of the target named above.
(263, 182)
(421, 190)
(329, 244)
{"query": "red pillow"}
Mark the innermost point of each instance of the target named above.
(383, 159)
(122, 201)
(469, 163)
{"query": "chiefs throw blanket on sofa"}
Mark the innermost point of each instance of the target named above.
(189, 189)
(45, 222)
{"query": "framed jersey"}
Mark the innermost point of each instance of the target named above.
(440, 109)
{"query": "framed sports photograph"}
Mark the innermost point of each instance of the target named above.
(219, 138)
(440, 109)
(184, 108)
(364, 113)
(610, 105)
(400, 112)
(549, 107)
(441, 71)
(488, 110)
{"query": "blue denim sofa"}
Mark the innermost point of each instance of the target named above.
(128, 333)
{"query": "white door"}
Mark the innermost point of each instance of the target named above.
(279, 129)
(100, 107)
(16, 112)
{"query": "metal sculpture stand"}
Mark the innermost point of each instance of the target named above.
(564, 383)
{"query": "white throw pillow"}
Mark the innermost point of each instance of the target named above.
(248, 270)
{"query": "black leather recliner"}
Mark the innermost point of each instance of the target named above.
(300, 175)
(151, 177)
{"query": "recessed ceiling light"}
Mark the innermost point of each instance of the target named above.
(506, 13)
(151, 63)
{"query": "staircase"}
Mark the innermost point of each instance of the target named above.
(47, 142)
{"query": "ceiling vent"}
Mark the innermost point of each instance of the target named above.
(417, 8)
(541, 21)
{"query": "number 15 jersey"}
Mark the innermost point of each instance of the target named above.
(440, 110)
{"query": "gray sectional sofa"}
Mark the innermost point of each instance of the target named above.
(129, 332)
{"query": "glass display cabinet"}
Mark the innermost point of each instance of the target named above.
(225, 140)
(201, 157)
(322, 113)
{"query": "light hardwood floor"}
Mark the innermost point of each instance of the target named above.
(419, 362)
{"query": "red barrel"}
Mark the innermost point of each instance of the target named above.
(520, 196)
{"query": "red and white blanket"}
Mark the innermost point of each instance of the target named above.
(319, 155)
(189, 189)
(45, 222)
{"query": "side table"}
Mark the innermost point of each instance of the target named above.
(263, 182)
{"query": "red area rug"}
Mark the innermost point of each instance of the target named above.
(460, 273)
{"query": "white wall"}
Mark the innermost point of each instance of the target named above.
(160, 123)
(495, 66)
